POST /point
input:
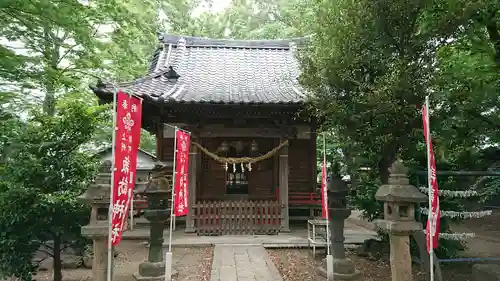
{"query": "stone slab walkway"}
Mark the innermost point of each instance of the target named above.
(243, 263)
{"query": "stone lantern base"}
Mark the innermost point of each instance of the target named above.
(98, 232)
(343, 270)
(152, 271)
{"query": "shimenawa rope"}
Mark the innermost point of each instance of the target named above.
(233, 160)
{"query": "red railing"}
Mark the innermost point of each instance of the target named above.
(302, 198)
(140, 203)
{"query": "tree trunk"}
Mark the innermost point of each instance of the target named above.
(388, 157)
(494, 34)
(51, 53)
(49, 103)
(57, 259)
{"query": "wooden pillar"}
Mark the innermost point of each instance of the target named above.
(283, 180)
(159, 142)
(193, 163)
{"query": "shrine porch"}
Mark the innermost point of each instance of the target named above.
(215, 213)
(297, 237)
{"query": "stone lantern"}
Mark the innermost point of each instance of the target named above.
(158, 193)
(343, 268)
(97, 195)
(399, 199)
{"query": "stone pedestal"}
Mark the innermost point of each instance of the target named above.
(343, 268)
(400, 257)
(152, 271)
(97, 195)
(158, 193)
(399, 219)
(99, 235)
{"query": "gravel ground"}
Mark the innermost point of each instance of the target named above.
(295, 264)
(298, 265)
(191, 263)
(195, 265)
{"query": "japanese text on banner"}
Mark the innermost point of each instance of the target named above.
(324, 194)
(127, 138)
(435, 213)
(181, 173)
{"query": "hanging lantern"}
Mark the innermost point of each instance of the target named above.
(254, 147)
(224, 147)
(239, 146)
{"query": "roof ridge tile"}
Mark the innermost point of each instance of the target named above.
(232, 43)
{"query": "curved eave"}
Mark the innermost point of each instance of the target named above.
(160, 100)
(106, 96)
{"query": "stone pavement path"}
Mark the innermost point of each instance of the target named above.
(243, 263)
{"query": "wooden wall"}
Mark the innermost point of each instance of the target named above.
(212, 176)
(302, 165)
(263, 178)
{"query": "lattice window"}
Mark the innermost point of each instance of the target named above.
(237, 180)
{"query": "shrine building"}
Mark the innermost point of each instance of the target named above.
(253, 151)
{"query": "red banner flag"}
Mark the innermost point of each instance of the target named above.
(183, 144)
(434, 212)
(127, 138)
(324, 194)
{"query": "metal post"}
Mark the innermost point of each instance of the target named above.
(132, 212)
(326, 198)
(429, 190)
(173, 192)
(418, 214)
(329, 257)
(168, 256)
(111, 195)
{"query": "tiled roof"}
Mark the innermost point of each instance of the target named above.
(222, 71)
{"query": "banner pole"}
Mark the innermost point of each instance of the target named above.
(131, 206)
(430, 190)
(111, 193)
(168, 256)
(329, 258)
(132, 211)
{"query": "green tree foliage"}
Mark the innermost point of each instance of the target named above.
(369, 76)
(55, 47)
(371, 63)
(241, 19)
(113, 40)
(44, 174)
(10, 126)
(49, 52)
